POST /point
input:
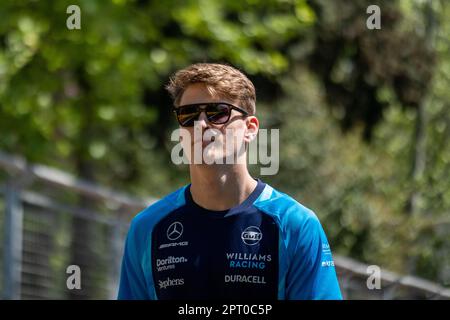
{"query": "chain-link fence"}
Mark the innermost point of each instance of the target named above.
(50, 220)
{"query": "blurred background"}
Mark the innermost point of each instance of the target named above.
(85, 124)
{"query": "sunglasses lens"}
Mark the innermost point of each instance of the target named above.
(187, 116)
(218, 113)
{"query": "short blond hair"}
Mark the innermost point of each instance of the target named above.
(222, 80)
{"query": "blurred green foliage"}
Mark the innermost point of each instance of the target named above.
(345, 98)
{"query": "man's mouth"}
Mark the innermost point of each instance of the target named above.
(206, 142)
(207, 137)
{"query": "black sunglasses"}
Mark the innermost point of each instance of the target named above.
(216, 112)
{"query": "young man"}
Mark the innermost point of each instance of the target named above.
(225, 235)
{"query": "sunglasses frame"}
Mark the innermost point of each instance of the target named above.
(203, 109)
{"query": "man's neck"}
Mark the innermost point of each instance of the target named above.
(219, 187)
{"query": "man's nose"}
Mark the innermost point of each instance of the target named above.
(202, 119)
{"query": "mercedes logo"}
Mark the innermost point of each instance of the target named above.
(175, 231)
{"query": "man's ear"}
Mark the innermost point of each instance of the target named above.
(252, 129)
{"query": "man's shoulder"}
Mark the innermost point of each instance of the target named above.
(159, 209)
(284, 208)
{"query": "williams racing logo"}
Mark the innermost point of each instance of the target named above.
(248, 260)
(251, 235)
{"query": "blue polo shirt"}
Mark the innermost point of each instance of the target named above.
(268, 247)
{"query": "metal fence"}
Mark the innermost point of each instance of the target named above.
(50, 220)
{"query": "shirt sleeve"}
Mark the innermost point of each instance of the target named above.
(312, 274)
(132, 280)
